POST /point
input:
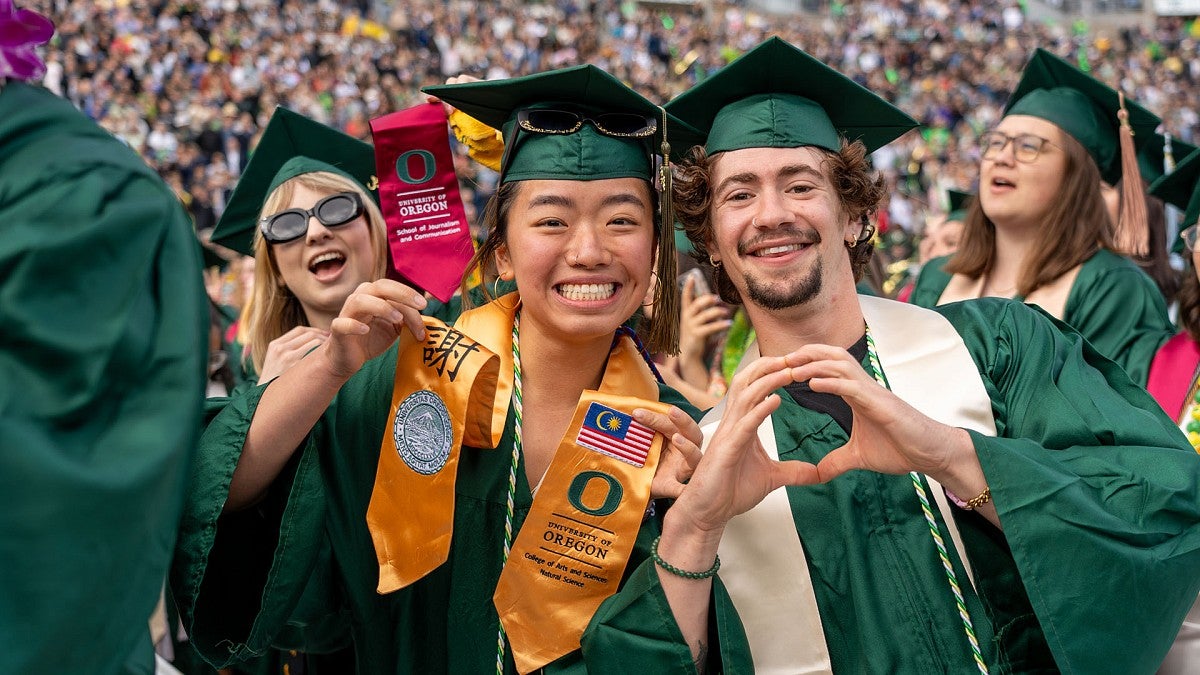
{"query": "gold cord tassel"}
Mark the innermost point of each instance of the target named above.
(1132, 233)
(664, 326)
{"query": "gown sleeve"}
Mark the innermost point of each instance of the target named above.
(1123, 314)
(1097, 491)
(101, 381)
(240, 578)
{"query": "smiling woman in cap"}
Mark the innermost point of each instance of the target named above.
(444, 559)
(1039, 231)
(303, 210)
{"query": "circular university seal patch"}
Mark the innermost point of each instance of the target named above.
(422, 432)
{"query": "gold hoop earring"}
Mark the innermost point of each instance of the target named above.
(495, 287)
(713, 262)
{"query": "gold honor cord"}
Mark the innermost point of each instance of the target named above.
(443, 394)
(571, 552)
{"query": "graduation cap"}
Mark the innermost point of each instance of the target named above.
(1181, 188)
(1082, 106)
(581, 123)
(1091, 113)
(577, 123)
(1152, 157)
(291, 145)
(210, 257)
(777, 96)
(958, 205)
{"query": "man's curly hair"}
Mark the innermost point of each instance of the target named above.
(860, 188)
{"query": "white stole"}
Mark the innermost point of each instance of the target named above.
(763, 565)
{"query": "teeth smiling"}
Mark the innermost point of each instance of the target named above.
(325, 257)
(779, 249)
(583, 292)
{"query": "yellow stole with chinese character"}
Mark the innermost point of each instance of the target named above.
(443, 396)
(572, 549)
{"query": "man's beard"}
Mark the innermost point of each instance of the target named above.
(768, 296)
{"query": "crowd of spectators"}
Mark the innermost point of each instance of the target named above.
(190, 83)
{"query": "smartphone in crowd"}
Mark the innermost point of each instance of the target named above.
(699, 286)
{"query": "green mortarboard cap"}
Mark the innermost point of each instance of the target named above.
(958, 205)
(1152, 156)
(777, 96)
(1082, 106)
(211, 258)
(1181, 188)
(290, 146)
(586, 154)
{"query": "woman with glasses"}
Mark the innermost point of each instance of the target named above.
(479, 495)
(1039, 230)
(303, 210)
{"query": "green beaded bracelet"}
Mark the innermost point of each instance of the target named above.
(712, 571)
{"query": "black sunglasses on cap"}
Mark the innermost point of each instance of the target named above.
(619, 125)
(332, 211)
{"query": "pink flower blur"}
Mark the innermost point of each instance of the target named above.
(20, 31)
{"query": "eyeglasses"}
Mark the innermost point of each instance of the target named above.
(619, 125)
(332, 211)
(1026, 147)
(1189, 237)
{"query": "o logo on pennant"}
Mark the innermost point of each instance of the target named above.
(404, 162)
(612, 497)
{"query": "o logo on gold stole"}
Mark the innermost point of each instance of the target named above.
(422, 432)
(612, 498)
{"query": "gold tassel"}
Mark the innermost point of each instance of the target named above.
(484, 144)
(664, 326)
(1132, 233)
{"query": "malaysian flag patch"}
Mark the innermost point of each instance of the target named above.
(613, 433)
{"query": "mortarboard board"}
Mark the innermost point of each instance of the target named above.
(1082, 106)
(958, 205)
(1181, 188)
(1152, 156)
(777, 96)
(291, 145)
(584, 153)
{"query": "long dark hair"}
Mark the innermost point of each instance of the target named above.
(1076, 226)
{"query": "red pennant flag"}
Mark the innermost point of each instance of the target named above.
(428, 234)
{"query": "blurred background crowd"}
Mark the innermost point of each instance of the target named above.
(189, 84)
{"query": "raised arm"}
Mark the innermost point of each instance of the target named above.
(370, 321)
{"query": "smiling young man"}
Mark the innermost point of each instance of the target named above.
(1018, 505)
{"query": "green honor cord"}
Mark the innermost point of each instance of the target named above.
(923, 497)
(512, 471)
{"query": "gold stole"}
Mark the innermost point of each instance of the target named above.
(572, 550)
(443, 395)
(454, 389)
(763, 563)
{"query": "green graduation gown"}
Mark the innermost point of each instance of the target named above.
(1098, 494)
(1112, 303)
(102, 375)
(238, 577)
